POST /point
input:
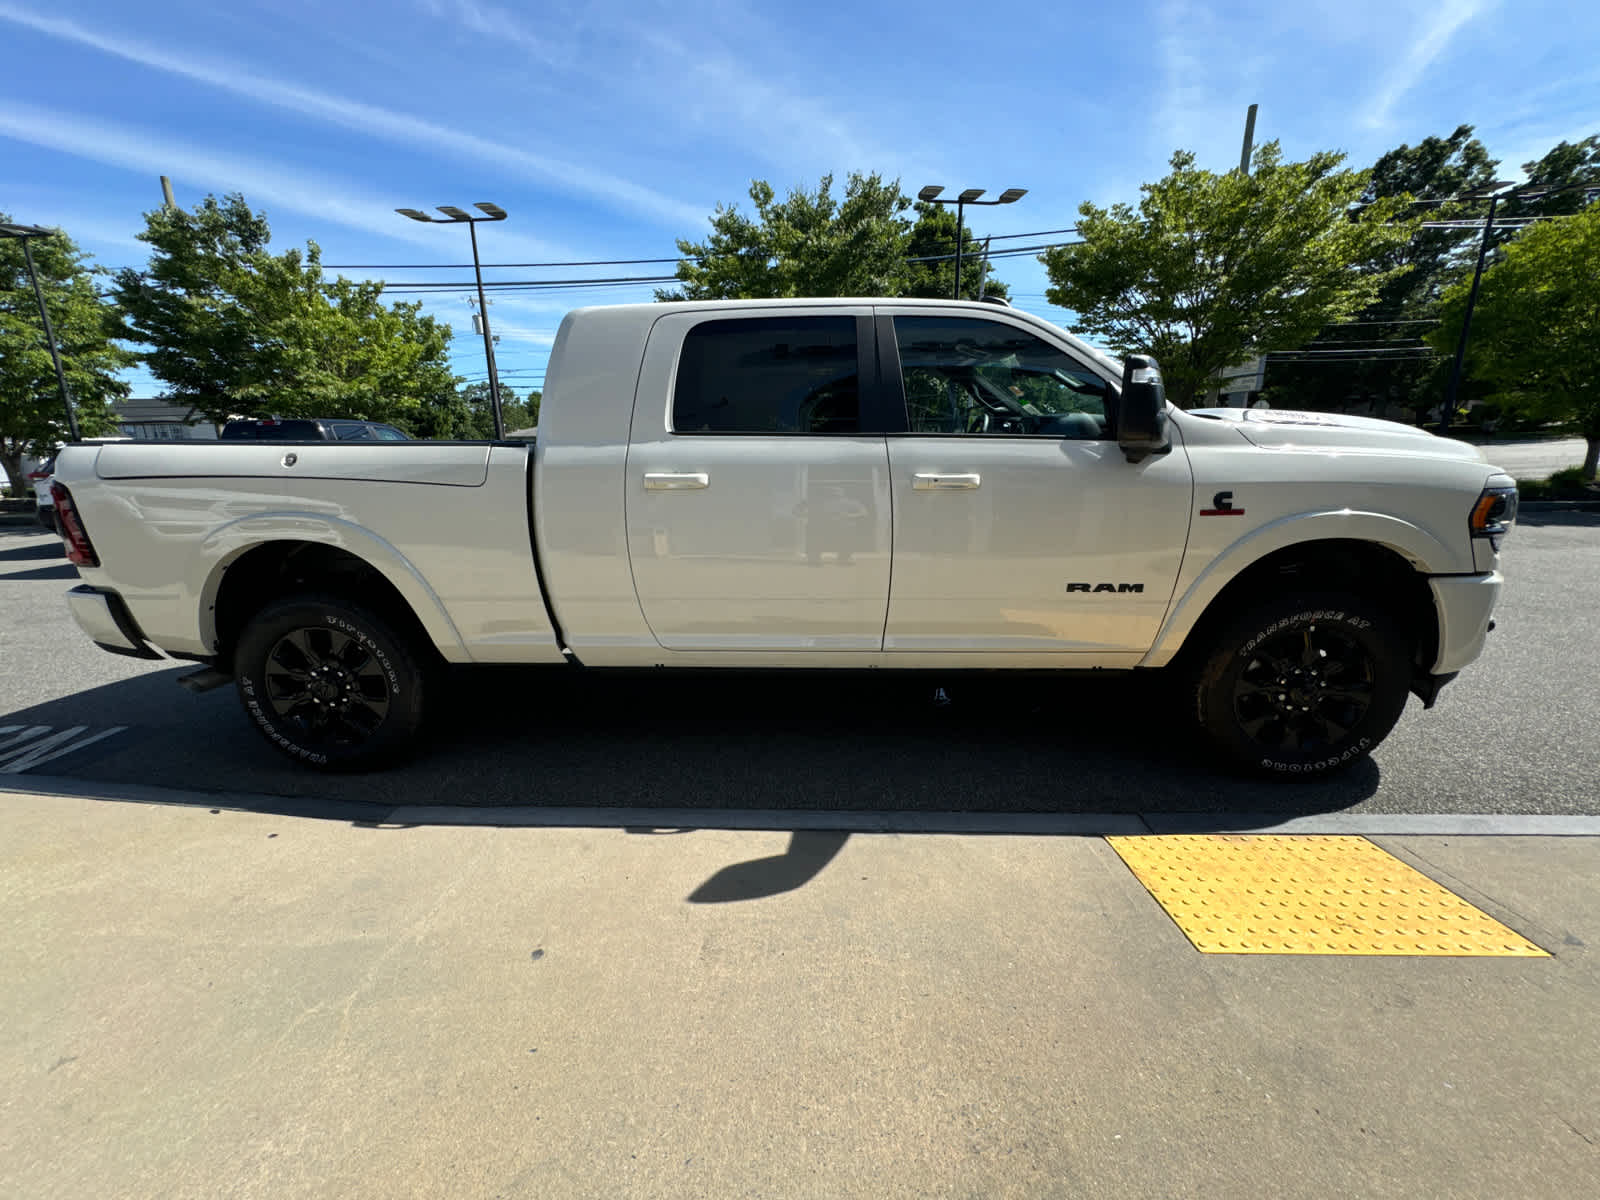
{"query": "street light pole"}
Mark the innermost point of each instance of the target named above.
(23, 233)
(457, 216)
(930, 195)
(488, 341)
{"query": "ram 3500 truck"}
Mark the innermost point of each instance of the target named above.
(812, 483)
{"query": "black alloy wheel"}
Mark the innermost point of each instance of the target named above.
(330, 683)
(1304, 690)
(1304, 684)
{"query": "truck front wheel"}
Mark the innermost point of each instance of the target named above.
(1303, 685)
(329, 683)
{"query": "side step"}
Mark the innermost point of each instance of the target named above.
(204, 679)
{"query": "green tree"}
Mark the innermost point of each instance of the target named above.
(1536, 327)
(808, 244)
(233, 329)
(341, 352)
(1571, 171)
(204, 344)
(465, 414)
(933, 237)
(1213, 269)
(31, 418)
(1395, 370)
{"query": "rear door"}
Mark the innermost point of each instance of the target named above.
(758, 483)
(1018, 524)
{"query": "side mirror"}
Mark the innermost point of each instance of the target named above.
(1142, 411)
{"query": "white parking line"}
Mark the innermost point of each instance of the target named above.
(32, 745)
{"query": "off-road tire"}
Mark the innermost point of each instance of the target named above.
(331, 684)
(1302, 685)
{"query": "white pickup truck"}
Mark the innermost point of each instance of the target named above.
(813, 483)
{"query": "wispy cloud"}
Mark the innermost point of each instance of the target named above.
(371, 119)
(1206, 67)
(1441, 24)
(716, 91)
(721, 92)
(270, 185)
(496, 23)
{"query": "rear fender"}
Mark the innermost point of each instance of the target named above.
(227, 543)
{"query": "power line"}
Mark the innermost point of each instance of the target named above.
(604, 262)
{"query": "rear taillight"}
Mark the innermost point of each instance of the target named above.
(80, 549)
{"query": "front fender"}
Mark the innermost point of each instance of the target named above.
(1422, 549)
(226, 544)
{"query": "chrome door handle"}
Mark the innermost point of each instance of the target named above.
(675, 481)
(943, 483)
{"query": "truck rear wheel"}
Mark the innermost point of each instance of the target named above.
(1303, 684)
(329, 683)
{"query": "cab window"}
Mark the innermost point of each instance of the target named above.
(769, 375)
(968, 376)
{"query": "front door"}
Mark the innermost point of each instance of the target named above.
(1018, 524)
(758, 502)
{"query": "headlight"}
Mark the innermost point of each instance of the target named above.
(1493, 514)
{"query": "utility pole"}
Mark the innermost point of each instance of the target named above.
(1249, 140)
(1449, 405)
(166, 194)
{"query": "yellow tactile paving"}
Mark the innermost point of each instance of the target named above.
(1265, 894)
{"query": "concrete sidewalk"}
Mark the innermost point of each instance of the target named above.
(203, 1001)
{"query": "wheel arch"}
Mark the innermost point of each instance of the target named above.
(1395, 575)
(246, 574)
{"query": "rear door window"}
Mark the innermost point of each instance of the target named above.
(769, 375)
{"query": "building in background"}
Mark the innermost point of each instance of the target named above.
(161, 420)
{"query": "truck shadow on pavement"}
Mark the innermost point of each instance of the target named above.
(812, 743)
(819, 756)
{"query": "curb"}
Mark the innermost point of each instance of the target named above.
(1559, 506)
(1003, 824)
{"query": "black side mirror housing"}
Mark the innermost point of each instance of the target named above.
(1142, 410)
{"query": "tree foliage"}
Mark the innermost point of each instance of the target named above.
(1213, 269)
(465, 415)
(31, 418)
(812, 244)
(1572, 173)
(808, 244)
(1535, 333)
(235, 330)
(1416, 272)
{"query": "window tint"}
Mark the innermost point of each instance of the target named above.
(353, 431)
(768, 375)
(388, 433)
(971, 376)
(273, 431)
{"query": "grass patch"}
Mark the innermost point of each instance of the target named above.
(1568, 484)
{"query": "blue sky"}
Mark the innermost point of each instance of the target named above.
(608, 129)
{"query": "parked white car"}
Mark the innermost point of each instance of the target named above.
(44, 503)
(886, 484)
